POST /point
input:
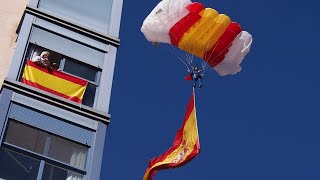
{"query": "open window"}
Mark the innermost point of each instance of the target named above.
(68, 57)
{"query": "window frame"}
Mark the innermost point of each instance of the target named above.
(62, 63)
(48, 143)
(44, 157)
(41, 157)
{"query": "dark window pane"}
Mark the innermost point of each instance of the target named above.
(89, 94)
(67, 152)
(26, 137)
(14, 166)
(35, 50)
(80, 69)
(58, 148)
(54, 173)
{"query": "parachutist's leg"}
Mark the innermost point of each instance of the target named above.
(200, 82)
(195, 81)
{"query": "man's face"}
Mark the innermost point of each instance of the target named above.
(45, 56)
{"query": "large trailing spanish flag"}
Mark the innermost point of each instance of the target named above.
(55, 82)
(185, 146)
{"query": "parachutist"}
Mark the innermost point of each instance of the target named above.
(196, 74)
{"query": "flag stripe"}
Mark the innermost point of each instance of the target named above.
(185, 147)
(58, 74)
(75, 99)
(52, 82)
(55, 82)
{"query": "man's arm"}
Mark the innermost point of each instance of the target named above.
(37, 60)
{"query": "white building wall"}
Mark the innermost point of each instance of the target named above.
(10, 14)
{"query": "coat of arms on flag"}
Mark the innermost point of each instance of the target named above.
(185, 147)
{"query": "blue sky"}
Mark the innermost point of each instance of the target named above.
(262, 123)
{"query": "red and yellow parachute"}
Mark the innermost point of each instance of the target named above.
(200, 31)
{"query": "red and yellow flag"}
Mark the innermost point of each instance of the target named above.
(185, 146)
(55, 82)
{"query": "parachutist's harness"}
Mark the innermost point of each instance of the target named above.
(196, 75)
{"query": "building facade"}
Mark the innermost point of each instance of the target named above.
(47, 132)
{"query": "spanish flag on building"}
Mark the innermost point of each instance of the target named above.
(185, 146)
(55, 82)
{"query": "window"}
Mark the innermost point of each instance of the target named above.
(73, 67)
(57, 148)
(54, 173)
(82, 70)
(94, 13)
(70, 56)
(67, 151)
(16, 166)
(30, 139)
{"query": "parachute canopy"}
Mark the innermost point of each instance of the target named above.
(200, 31)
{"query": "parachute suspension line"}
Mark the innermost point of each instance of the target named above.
(189, 56)
(204, 63)
(180, 55)
(227, 47)
(213, 49)
(173, 50)
(181, 59)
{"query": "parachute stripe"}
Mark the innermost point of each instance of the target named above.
(190, 40)
(216, 54)
(177, 30)
(236, 53)
(205, 33)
